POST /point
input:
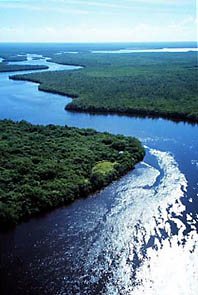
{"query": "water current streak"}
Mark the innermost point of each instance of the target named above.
(151, 244)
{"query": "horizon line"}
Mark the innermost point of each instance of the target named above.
(96, 42)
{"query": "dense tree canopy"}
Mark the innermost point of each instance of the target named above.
(4, 67)
(157, 84)
(45, 167)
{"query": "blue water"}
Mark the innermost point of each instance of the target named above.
(138, 236)
(24, 102)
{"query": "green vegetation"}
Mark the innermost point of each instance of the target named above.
(154, 84)
(8, 58)
(4, 67)
(42, 167)
(104, 168)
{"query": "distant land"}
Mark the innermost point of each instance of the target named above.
(15, 68)
(159, 84)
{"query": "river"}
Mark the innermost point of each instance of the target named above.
(137, 236)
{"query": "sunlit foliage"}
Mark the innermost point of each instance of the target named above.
(45, 167)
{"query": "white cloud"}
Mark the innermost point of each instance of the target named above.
(35, 4)
(64, 6)
(122, 3)
(88, 3)
(103, 2)
(186, 29)
(160, 1)
(18, 4)
(143, 32)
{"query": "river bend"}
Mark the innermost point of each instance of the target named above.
(137, 236)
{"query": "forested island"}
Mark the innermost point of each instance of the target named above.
(13, 58)
(43, 167)
(155, 84)
(4, 67)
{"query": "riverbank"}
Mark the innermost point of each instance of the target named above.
(159, 84)
(4, 67)
(43, 167)
(42, 86)
(128, 232)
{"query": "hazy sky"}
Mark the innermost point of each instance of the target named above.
(97, 20)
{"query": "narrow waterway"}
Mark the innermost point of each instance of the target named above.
(137, 236)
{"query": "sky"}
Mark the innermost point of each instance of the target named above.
(98, 20)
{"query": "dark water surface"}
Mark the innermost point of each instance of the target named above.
(138, 236)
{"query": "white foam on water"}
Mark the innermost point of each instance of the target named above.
(170, 267)
(194, 162)
(172, 270)
(147, 206)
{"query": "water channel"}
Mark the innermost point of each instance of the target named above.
(137, 236)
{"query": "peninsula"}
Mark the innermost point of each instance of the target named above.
(43, 167)
(155, 84)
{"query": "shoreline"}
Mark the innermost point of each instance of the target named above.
(16, 68)
(177, 118)
(58, 167)
(136, 114)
